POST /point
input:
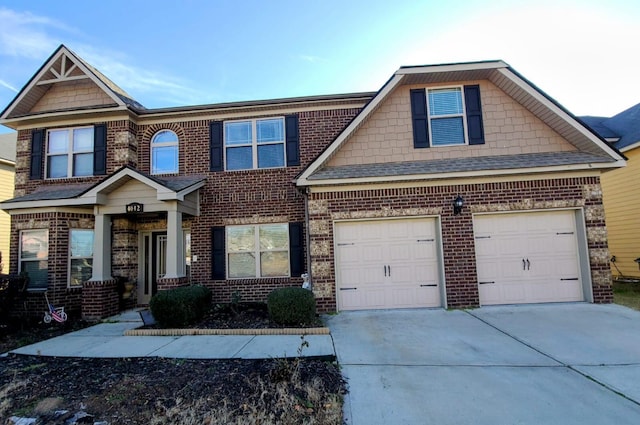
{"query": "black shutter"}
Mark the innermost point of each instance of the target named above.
(419, 118)
(218, 254)
(37, 147)
(215, 146)
(475, 129)
(99, 150)
(296, 249)
(292, 140)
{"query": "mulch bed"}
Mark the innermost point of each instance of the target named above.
(167, 391)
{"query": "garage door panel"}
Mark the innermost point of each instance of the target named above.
(547, 243)
(396, 268)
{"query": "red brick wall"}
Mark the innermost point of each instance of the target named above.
(59, 293)
(457, 230)
(249, 196)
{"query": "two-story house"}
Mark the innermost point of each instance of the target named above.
(453, 185)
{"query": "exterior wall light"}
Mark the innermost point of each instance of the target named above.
(458, 203)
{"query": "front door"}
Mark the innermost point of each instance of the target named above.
(153, 264)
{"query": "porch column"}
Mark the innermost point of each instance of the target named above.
(175, 254)
(102, 248)
(100, 293)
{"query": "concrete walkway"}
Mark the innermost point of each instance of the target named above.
(107, 340)
(570, 364)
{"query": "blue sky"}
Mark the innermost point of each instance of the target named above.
(169, 53)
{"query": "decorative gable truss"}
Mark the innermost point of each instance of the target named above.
(64, 83)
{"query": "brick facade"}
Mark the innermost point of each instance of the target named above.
(457, 230)
(271, 195)
(228, 198)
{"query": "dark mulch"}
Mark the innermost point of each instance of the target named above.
(167, 391)
(135, 391)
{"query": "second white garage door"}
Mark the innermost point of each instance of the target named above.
(527, 258)
(387, 264)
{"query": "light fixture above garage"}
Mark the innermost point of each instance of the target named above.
(458, 203)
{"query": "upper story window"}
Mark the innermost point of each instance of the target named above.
(446, 116)
(164, 153)
(70, 152)
(251, 144)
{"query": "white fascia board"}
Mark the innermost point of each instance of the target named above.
(465, 174)
(561, 113)
(48, 203)
(342, 137)
(60, 114)
(430, 69)
(630, 147)
(7, 162)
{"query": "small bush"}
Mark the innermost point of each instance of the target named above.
(180, 307)
(292, 306)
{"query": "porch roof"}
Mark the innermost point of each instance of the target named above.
(167, 187)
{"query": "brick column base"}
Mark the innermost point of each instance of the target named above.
(173, 282)
(99, 299)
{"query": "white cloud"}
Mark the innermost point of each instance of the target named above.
(136, 80)
(24, 34)
(8, 86)
(578, 55)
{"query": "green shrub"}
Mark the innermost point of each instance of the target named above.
(181, 306)
(292, 306)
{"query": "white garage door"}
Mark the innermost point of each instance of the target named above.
(387, 264)
(527, 258)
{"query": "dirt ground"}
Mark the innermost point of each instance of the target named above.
(171, 391)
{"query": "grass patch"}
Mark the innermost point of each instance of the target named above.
(627, 294)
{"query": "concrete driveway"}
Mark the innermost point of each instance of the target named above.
(543, 364)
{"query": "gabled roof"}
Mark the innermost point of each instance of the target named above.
(64, 66)
(500, 74)
(167, 188)
(623, 128)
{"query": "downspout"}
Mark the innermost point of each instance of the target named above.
(307, 236)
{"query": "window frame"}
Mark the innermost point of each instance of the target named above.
(257, 251)
(154, 145)
(78, 257)
(70, 152)
(254, 144)
(21, 260)
(463, 114)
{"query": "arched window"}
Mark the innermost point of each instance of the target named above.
(164, 152)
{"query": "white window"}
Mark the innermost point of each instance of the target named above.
(70, 152)
(447, 121)
(164, 153)
(34, 256)
(254, 144)
(258, 251)
(187, 252)
(80, 256)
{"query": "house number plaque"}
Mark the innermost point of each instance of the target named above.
(134, 208)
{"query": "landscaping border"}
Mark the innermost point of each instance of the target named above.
(268, 331)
